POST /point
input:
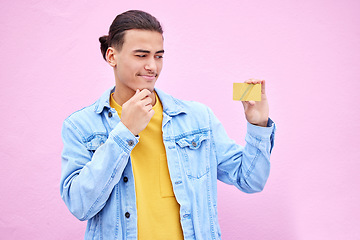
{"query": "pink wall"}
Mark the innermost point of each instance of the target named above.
(308, 51)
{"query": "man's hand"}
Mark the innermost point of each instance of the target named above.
(257, 113)
(137, 111)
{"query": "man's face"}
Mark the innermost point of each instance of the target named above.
(140, 60)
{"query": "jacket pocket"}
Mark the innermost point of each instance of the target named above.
(194, 153)
(95, 141)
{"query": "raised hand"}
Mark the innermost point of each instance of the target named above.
(257, 113)
(137, 111)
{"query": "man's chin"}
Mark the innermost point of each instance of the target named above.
(152, 89)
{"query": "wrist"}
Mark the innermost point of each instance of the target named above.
(261, 124)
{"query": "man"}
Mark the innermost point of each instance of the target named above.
(140, 164)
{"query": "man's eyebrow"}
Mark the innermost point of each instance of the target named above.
(147, 51)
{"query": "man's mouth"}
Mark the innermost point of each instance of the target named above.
(149, 77)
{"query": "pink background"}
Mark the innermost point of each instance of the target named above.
(308, 51)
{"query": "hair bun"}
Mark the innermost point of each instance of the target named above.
(103, 39)
(104, 45)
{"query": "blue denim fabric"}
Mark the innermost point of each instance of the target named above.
(97, 182)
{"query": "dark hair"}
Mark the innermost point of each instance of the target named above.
(132, 19)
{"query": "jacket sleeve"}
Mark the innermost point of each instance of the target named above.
(87, 179)
(245, 167)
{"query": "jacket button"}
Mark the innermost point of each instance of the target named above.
(125, 179)
(127, 214)
(110, 114)
(194, 144)
(131, 143)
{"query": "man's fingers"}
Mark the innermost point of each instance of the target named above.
(247, 103)
(257, 81)
(144, 93)
(141, 94)
(253, 81)
(148, 108)
(251, 103)
(146, 101)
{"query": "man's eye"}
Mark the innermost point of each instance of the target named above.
(141, 56)
(159, 56)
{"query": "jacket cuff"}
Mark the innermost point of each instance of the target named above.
(124, 137)
(261, 132)
(267, 132)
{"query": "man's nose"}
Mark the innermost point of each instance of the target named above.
(150, 65)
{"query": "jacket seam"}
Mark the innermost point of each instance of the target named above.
(212, 137)
(254, 160)
(70, 123)
(252, 166)
(121, 143)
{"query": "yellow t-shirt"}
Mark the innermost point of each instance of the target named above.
(157, 209)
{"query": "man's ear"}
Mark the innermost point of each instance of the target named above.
(111, 56)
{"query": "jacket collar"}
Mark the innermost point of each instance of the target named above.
(171, 105)
(104, 101)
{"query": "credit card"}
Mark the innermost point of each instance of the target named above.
(247, 92)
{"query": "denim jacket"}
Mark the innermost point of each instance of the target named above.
(97, 182)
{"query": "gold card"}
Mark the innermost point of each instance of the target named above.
(247, 92)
